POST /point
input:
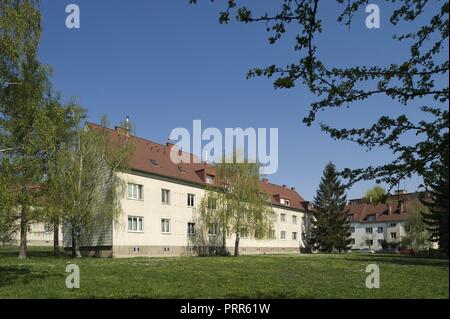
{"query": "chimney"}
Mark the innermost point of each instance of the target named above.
(284, 186)
(292, 188)
(401, 207)
(126, 129)
(127, 123)
(390, 209)
(266, 180)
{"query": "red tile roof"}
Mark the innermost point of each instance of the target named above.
(360, 210)
(146, 151)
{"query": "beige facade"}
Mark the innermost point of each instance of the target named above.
(153, 240)
(150, 239)
(38, 235)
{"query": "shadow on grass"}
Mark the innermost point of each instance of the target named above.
(402, 260)
(11, 276)
(33, 252)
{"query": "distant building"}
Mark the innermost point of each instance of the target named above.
(372, 224)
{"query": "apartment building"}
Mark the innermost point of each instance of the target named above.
(372, 224)
(160, 209)
(38, 234)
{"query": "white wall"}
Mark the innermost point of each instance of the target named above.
(360, 235)
(152, 210)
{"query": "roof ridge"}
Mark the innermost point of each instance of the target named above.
(134, 136)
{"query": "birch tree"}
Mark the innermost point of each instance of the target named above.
(237, 204)
(85, 184)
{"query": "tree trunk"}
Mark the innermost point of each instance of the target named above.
(76, 252)
(56, 239)
(236, 245)
(224, 240)
(23, 233)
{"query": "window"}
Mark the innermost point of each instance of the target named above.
(287, 202)
(135, 191)
(135, 224)
(380, 230)
(352, 229)
(209, 179)
(191, 200)
(393, 235)
(353, 241)
(283, 218)
(182, 169)
(369, 242)
(371, 218)
(165, 226)
(380, 242)
(294, 219)
(393, 225)
(294, 236)
(212, 203)
(213, 229)
(165, 196)
(244, 233)
(283, 235)
(369, 230)
(191, 229)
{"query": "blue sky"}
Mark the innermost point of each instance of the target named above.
(166, 63)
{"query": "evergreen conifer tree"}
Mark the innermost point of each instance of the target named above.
(331, 229)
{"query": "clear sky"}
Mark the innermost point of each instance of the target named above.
(166, 63)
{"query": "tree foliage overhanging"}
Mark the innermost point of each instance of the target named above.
(422, 78)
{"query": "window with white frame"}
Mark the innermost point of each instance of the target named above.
(209, 179)
(369, 230)
(294, 219)
(393, 225)
(294, 236)
(165, 226)
(369, 242)
(213, 229)
(135, 224)
(282, 235)
(353, 241)
(380, 242)
(135, 191)
(393, 235)
(165, 196)
(352, 229)
(380, 230)
(191, 229)
(191, 200)
(244, 233)
(283, 218)
(212, 203)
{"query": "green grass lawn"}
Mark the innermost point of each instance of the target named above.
(283, 276)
